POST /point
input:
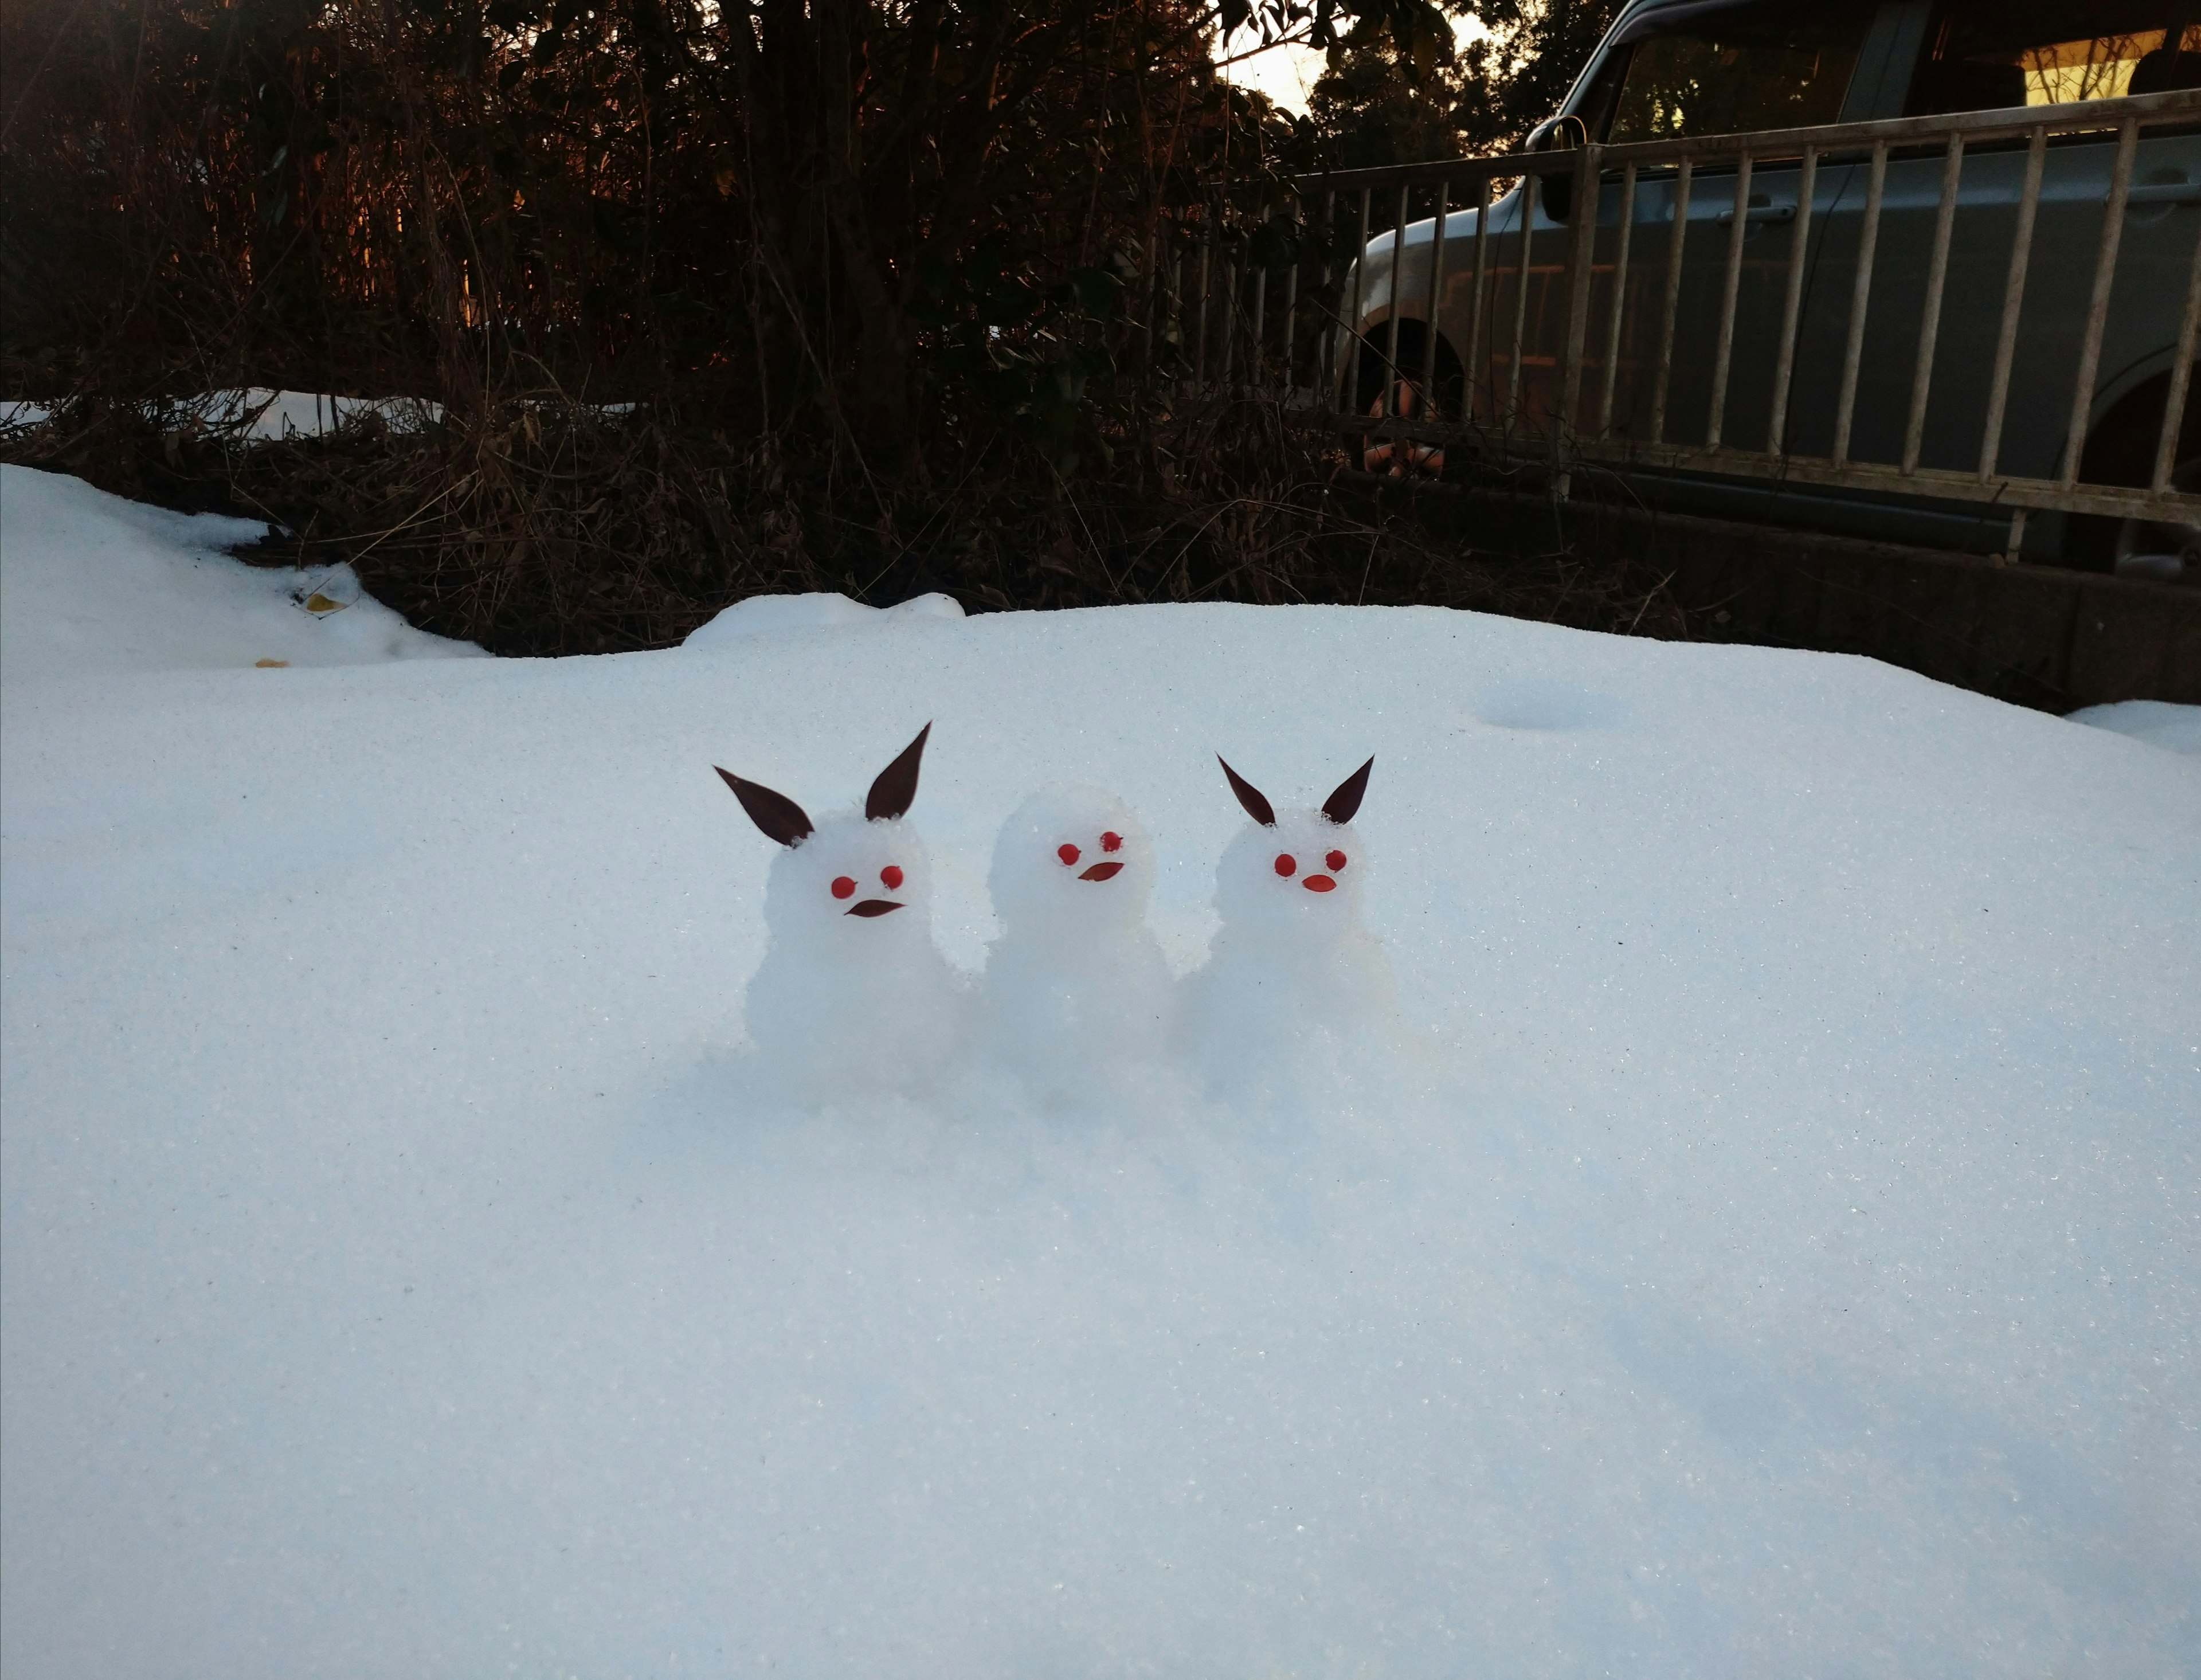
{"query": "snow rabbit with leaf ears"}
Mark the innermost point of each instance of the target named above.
(1292, 967)
(853, 999)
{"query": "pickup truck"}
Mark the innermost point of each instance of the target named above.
(1675, 69)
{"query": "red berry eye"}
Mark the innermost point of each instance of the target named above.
(892, 876)
(1067, 853)
(1111, 842)
(1335, 861)
(843, 887)
(1287, 864)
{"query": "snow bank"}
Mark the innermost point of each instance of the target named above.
(2175, 728)
(96, 586)
(778, 614)
(1772, 1248)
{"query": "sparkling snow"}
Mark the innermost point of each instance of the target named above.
(1772, 1245)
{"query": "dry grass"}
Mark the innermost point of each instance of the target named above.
(543, 527)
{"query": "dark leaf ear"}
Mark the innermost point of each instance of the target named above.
(1341, 806)
(1255, 801)
(780, 817)
(896, 787)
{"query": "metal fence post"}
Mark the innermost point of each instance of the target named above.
(1435, 300)
(1730, 289)
(1662, 376)
(1398, 286)
(1860, 300)
(1260, 327)
(1325, 347)
(1791, 304)
(1229, 323)
(1929, 315)
(1612, 321)
(1199, 323)
(2013, 298)
(2097, 306)
(1351, 328)
(1582, 263)
(2182, 370)
(1525, 199)
(1478, 373)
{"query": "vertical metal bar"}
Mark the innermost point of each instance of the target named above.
(1260, 326)
(1149, 293)
(1731, 289)
(1177, 300)
(1582, 266)
(1199, 320)
(1176, 291)
(1663, 374)
(2097, 307)
(1792, 305)
(2182, 370)
(1477, 375)
(1929, 312)
(1435, 298)
(1291, 323)
(1326, 339)
(1612, 319)
(1526, 200)
(1860, 298)
(1398, 286)
(1351, 342)
(2013, 299)
(1230, 278)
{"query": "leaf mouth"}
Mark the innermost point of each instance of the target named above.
(1100, 872)
(873, 906)
(1318, 884)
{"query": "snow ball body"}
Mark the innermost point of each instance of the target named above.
(853, 998)
(1292, 967)
(1076, 992)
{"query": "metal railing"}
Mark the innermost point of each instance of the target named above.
(1540, 368)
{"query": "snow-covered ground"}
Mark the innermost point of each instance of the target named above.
(260, 414)
(1774, 1247)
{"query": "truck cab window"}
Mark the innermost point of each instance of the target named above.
(1993, 55)
(1729, 69)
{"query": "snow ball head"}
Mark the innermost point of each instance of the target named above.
(1300, 873)
(852, 995)
(856, 884)
(1072, 859)
(851, 871)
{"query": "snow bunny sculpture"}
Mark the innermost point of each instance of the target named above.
(1292, 969)
(852, 999)
(1076, 992)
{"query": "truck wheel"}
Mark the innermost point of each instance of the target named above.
(1379, 391)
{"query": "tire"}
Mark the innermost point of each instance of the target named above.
(1377, 390)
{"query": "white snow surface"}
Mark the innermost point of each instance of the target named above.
(1770, 1247)
(91, 585)
(2176, 729)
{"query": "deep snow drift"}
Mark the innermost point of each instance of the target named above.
(1769, 1248)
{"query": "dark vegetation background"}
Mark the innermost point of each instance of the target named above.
(718, 299)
